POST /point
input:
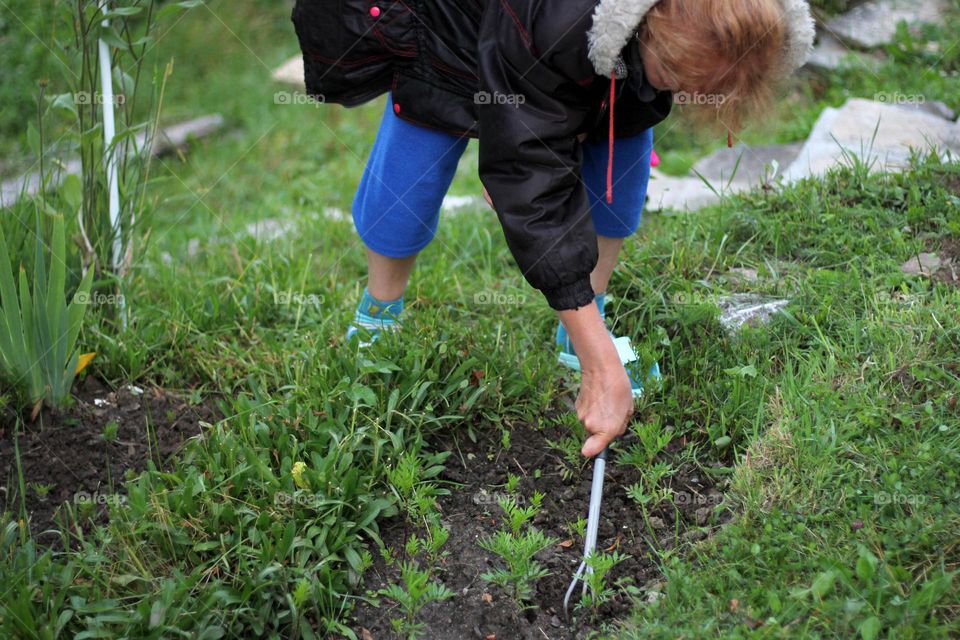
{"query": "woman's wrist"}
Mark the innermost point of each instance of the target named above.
(588, 333)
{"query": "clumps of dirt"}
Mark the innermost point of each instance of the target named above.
(484, 611)
(82, 455)
(952, 182)
(949, 254)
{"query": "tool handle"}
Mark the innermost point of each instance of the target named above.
(596, 497)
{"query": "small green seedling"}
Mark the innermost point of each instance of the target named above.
(41, 490)
(110, 431)
(645, 498)
(653, 439)
(578, 528)
(408, 479)
(512, 484)
(416, 592)
(598, 591)
(437, 536)
(517, 550)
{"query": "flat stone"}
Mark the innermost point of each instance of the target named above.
(669, 192)
(290, 72)
(173, 137)
(742, 308)
(745, 166)
(924, 264)
(879, 133)
(933, 107)
(874, 23)
(831, 54)
(743, 274)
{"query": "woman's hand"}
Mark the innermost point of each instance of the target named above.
(604, 406)
(605, 403)
(486, 196)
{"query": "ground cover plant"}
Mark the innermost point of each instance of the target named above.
(261, 479)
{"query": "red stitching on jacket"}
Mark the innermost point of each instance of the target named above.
(452, 70)
(523, 32)
(408, 53)
(338, 62)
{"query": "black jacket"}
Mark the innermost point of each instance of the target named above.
(517, 74)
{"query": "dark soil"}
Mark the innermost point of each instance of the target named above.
(471, 512)
(949, 253)
(65, 458)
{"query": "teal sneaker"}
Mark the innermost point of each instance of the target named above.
(568, 357)
(373, 317)
(628, 357)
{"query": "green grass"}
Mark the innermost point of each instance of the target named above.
(851, 413)
(843, 408)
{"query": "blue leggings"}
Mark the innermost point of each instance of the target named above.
(410, 168)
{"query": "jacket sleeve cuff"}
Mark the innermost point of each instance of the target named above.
(570, 296)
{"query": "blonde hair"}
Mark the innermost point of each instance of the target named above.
(724, 54)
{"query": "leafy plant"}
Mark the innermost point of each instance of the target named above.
(38, 329)
(652, 498)
(130, 33)
(416, 592)
(408, 480)
(517, 550)
(598, 590)
(512, 483)
(110, 431)
(653, 439)
(578, 527)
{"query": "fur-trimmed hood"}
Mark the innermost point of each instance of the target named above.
(615, 21)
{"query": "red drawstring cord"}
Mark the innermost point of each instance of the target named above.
(613, 96)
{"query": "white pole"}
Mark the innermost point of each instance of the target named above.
(109, 133)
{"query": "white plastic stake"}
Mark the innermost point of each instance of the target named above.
(109, 133)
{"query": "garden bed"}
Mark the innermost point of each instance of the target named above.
(82, 455)
(470, 512)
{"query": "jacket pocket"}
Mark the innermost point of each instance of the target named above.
(344, 59)
(393, 24)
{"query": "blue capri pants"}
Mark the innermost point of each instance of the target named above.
(397, 205)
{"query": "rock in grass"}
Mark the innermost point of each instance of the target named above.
(881, 133)
(722, 442)
(923, 264)
(746, 166)
(874, 23)
(830, 54)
